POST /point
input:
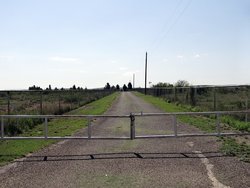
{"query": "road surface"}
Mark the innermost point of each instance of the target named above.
(168, 162)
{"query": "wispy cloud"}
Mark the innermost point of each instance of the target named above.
(197, 56)
(123, 68)
(110, 72)
(64, 59)
(165, 60)
(129, 73)
(6, 57)
(180, 56)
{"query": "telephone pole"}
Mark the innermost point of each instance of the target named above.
(146, 64)
(133, 81)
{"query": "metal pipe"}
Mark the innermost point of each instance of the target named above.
(125, 116)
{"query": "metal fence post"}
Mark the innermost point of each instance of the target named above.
(46, 128)
(175, 126)
(89, 128)
(218, 124)
(215, 99)
(8, 100)
(132, 126)
(41, 103)
(246, 115)
(2, 128)
(59, 103)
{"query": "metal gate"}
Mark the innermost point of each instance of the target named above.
(132, 118)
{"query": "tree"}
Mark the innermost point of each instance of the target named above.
(35, 88)
(182, 83)
(163, 84)
(107, 86)
(130, 86)
(125, 88)
(117, 87)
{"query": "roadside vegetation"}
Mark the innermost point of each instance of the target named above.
(231, 146)
(42, 102)
(13, 149)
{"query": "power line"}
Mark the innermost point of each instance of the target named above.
(166, 23)
(159, 40)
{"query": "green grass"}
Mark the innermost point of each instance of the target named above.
(203, 123)
(229, 145)
(13, 149)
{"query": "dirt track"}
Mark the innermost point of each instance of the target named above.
(171, 162)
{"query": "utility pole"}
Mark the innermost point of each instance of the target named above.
(133, 81)
(146, 64)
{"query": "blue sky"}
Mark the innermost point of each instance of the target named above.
(90, 43)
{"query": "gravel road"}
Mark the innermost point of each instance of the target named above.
(168, 162)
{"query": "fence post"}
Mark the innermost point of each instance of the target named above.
(218, 124)
(89, 128)
(132, 126)
(175, 94)
(2, 128)
(8, 98)
(192, 96)
(46, 128)
(41, 103)
(246, 116)
(175, 126)
(59, 103)
(215, 99)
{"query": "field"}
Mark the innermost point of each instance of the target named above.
(46, 102)
(235, 146)
(42, 103)
(206, 98)
(11, 149)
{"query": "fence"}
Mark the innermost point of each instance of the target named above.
(46, 101)
(132, 118)
(209, 98)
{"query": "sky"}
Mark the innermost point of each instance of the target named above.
(88, 43)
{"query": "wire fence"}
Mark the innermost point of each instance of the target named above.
(46, 101)
(207, 98)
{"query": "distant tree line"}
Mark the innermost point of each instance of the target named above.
(56, 89)
(179, 83)
(117, 87)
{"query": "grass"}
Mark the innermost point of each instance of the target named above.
(13, 149)
(229, 145)
(203, 123)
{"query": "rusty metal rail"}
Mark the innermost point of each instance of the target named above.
(132, 118)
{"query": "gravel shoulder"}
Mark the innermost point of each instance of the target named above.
(168, 162)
